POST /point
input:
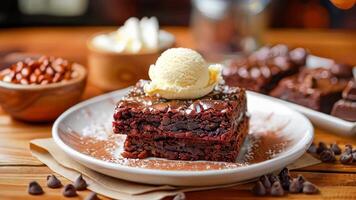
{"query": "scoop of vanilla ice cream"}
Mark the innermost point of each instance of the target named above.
(181, 73)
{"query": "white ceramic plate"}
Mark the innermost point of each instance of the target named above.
(269, 119)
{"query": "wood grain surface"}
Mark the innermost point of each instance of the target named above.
(18, 167)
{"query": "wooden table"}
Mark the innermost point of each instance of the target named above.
(18, 167)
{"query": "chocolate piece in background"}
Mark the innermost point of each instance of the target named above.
(34, 188)
(80, 183)
(285, 178)
(273, 178)
(265, 181)
(342, 70)
(348, 148)
(277, 189)
(53, 181)
(346, 108)
(69, 191)
(295, 186)
(327, 156)
(346, 158)
(321, 147)
(335, 148)
(259, 189)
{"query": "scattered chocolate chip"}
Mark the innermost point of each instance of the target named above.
(69, 191)
(92, 196)
(179, 196)
(301, 179)
(327, 156)
(276, 189)
(312, 149)
(285, 178)
(34, 188)
(265, 181)
(259, 189)
(336, 149)
(322, 146)
(295, 186)
(80, 183)
(346, 158)
(348, 148)
(273, 178)
(309, 188)
(354, 157)
(53, 182)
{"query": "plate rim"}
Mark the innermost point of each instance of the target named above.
(291, 155)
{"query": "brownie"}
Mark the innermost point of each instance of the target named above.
(345, 108)
(263, 69)
(316, 88)
(209, 128)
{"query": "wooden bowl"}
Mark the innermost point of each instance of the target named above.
(42, 103)
(110, 70)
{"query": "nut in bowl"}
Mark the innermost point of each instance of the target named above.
(119, 59)
(39, 90)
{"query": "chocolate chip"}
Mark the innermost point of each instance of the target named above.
(322, 146)
(301, 179)
(259, 189)
(309, 188)
(53, 182)
(92, 196)
(276, 189)
(354, 157)
(348, 148)
(273, 178)
(346, 158)
(69, 191)
(336, 149)
(327, 156)
(295, 186)
(80, 183)
(179, 196)
(285, 178)
(34, 188)
(312, 149)
(265, 181)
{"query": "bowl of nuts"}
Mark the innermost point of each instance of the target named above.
(39, 89)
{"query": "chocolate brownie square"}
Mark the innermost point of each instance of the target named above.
(209, 128)
(263, 69)
(345, 108)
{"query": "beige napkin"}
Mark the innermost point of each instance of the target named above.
(51, 155)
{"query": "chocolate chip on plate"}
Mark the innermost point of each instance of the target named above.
(265, 181)
(309, 188)
(335, 148)
(34, 188)
(69, 191)
(92, 196)
(53, 181)
(346, 158)
(285, 178)
(80, 183)
(327, 156)
(179, 196)
(259, 189)
(312, 149)
(322, 146)
(295, 186)
(276, 189)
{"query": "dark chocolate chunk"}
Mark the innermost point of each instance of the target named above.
(92, 196)
(295, 186)
(285, 178)
(276, 189)
(312, 149)
(349, 92)
(342, 70)
(327, 156)
(69, 191)
(259, 189)
(301, 179)
(179, 196)
(80, 183)
(34, 188)
(309, 188)
(273, 178)
(321, 147)
(53, 181)
(336, 149)
(265, 181)
(348, 148)
(346, 158)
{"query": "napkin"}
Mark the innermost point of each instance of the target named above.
(46, 151)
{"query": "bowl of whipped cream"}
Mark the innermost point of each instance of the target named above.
(118, 59)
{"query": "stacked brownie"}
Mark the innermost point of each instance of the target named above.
(345, 108)
(263, 69)
(209, 128)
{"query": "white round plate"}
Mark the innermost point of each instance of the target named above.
(278, 136)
